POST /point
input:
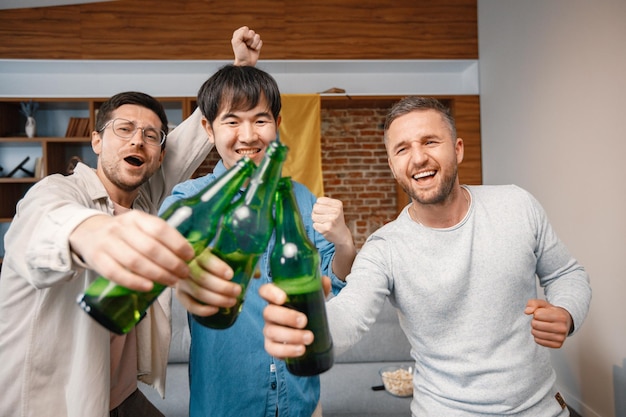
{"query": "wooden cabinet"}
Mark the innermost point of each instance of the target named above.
(33, 159)
(63, 132)
(24, 160)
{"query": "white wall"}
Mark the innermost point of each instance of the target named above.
(553, 94)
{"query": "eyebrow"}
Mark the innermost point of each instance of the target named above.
(399, 145)
(257, 115)
(149, 126)
(421, 139)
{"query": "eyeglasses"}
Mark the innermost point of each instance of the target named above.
(126, 129)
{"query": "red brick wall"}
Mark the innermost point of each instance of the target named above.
(354, 165)
(355, 170)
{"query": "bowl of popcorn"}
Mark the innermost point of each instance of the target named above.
(398, 380)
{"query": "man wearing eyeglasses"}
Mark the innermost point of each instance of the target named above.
(56, 360)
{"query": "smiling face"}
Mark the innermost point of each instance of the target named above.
(125, 164)
(424, 156)
(237, 133)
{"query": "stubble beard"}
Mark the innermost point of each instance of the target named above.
(116, 178)
(440, 195)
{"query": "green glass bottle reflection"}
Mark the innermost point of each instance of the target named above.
(246, 230)
(295, 265)
(118, 308)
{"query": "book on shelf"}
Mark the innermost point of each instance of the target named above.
(78, 127)
(38, 172)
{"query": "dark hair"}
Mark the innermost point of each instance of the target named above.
(414, 103)
(130, 97)
(238, 87)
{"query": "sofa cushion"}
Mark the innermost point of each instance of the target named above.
(181, 337)
(346, 390)
(176, 402)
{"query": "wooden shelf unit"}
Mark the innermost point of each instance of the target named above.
(50, 144)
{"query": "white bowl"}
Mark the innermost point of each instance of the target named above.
(398, 380)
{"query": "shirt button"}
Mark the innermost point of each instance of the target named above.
(273, 385)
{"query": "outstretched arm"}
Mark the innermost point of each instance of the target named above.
(133, 249)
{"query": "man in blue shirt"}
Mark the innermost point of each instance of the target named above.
(230, 372)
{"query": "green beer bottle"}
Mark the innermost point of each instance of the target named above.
(295, 266)
(246, 230)
(118, 308)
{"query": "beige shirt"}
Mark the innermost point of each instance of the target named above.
(55, 358)
(123, 356)
(123, 367)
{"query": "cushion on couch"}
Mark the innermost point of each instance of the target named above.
(346, 389)
(176, 402)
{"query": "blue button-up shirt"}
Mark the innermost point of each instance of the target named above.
(230, 373)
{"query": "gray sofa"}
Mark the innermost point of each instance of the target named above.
(346, 387)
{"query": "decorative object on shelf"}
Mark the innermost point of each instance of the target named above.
(20, 167)
(29, 108)
(31, 127)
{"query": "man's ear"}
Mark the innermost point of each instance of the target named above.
(460, 150)
(208, 129)
(96, 142)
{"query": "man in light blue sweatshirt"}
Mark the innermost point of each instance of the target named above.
(460, 264)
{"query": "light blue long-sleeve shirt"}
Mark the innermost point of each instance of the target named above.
(230, 373)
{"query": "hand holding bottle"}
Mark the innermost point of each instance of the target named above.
(285, 330)
(245, 231)
(134, 249)
(295, 265)
(119, 308)
(208, 287)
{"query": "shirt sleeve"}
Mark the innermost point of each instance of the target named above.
(564, 280)
(186, 148)
(39, 233)
(184, 190)
(354, 310)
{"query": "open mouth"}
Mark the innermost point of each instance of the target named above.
(133, 160)
(424, 175)
(248, 151)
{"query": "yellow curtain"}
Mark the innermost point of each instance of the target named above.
(300, 130)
